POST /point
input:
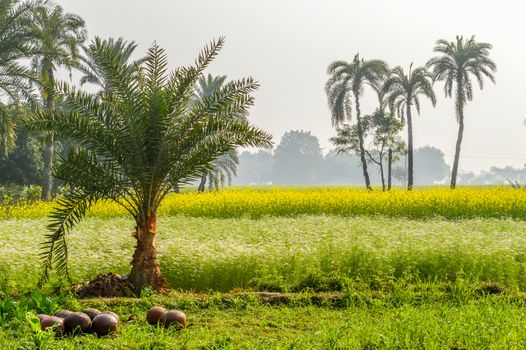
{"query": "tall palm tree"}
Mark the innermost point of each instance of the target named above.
(92, 70)
(403, 91)
(57, 38)
(145, 135)
(224, 167)
(346, 81)
(15, 35)
(460, 60)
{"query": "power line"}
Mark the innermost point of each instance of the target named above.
(487, 157)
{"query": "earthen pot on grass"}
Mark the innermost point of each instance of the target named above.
(63, 313)
(51, 322)
(154, 315)
(104, 324)
(114, 315)
(91, 312)
(173, 318)
(77, 322)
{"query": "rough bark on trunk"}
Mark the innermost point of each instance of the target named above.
(389, 168)
(457, 148)
(460, 111)
(409, 148)
(145, 266)
(202, 184)
(48, 151)
(360, 138)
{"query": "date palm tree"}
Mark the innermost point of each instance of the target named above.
(92, 71)
(147, 134)
(57, 38)
(403, 91)
(460, 60)
(346, 82)
(15, 78)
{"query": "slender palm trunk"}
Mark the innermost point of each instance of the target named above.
(145, 266)
(202, 184)
(409, 147)
(460, 111)
(360, 138)
(458, 145)
(48, 151)
(389, 168)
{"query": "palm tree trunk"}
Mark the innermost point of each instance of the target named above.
(409, 148)
(389, 168)
(145, 266)
(460, 111)
(202, 184)
(360, 138)
(48, 151)
(457, 148)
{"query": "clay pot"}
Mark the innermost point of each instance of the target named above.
(104, 324)
(154, 315)
(77, 322)
(91, 312)
(63, 313)
(173, 318)
(50, 322)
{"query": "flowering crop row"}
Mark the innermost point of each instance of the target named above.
(466, 202)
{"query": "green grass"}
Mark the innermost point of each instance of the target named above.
(282, 254)
(443, 318)
(359, 282)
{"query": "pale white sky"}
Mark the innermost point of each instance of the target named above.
(287, 45)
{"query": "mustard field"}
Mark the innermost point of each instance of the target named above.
(468, 202)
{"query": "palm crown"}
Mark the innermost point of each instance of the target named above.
(346, 79)
(405, 89)
(142, 138)
(460, 60)
(15, 20)
(92, 69)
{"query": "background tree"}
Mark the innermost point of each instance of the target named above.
(383, 130)
(15, 78)
(403, 91)
(57, 37)
(297, 158)
(139, 141)
(23, 166)
(254, 168)
(430, 165)
(341, 168)
(346, 81)
(93, 70)
(459, 61)
(224, 170)
(224, 167)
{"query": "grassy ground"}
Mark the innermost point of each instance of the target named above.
(360, 282)
(423, 317)
(282, 254)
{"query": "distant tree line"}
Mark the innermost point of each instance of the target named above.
(299, 160)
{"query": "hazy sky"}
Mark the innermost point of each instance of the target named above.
(287, 45)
